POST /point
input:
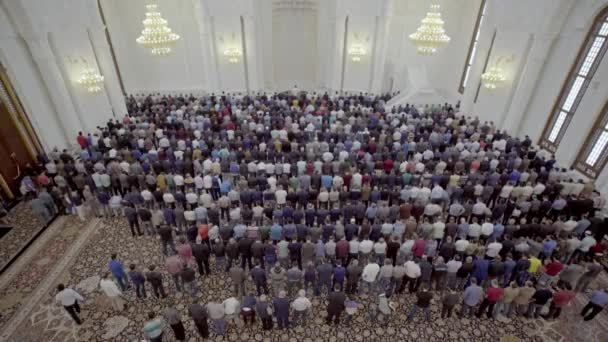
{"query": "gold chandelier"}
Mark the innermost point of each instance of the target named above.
(430, 35)
(91, 80)
(156, 35)
(493, 78)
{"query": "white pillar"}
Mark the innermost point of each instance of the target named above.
(251, 44)
(106, 65)
(204, 19)
(335, 67)
(527, 84)
(55, 84)
(381, 47)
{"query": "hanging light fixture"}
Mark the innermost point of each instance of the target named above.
(232, 54)
(430, 35)
(356, 51)
(156, 35)
(91, 80)
(493, 78)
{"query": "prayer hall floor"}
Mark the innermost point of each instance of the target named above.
(77, 254)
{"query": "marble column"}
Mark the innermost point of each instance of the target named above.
(251, 43)
(105, 63)
(56, 86)
(380, 48)
(205, 23)
(530, 76)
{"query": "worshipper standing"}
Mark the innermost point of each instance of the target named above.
(258, 275)
(155, 279)
(506, 303)
(493, 294)
(278, 277)
(201, 253)
(561, 298)
(69, 298)
(188, 276)
(281, 310)
(524, 297)
(449, 301)
(335, 306)
(232, 309)
(423, 302)
(138, 280)
(174, 318)
(174, 267)
(473, 295)
(539, 299)
(216, 313)
(264, 311)
(238, 276)
(108, 286)
(153, 329)
(118, 272)
(597, 303)
(199, 317)
(248, 309)
(300, 306)
(370, 272)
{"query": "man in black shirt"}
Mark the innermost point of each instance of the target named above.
(423, 302)
(539, 299)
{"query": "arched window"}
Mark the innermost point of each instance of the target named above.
(589, 57)
(594, 154)
(472, 47)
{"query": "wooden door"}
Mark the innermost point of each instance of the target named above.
(13, 151)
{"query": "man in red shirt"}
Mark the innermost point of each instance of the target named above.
(342, 250)
(561, 299)
(552, 269)
(493, 294)
(82, 140)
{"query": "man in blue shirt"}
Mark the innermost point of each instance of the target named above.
(597, 303)
(118, 272)
(471, 298)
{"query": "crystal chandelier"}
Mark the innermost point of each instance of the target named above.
(156, 35)
(91, 80)
(430, 35)
(232, 54)
(356, 52)
(493, 77)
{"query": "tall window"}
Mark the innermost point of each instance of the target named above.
(573, 90)
(472, 47)
(594, 154)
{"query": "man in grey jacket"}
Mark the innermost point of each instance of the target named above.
(237, 274)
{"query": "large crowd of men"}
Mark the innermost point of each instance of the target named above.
(302, 194)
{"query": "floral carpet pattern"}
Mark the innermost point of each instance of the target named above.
(25, 226)
(29, 275)
(50, 322)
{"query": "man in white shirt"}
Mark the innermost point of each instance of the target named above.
(300, 306)
(412, 273)
(281, 196)
(69, 299)
(370, 272)
(108, 286)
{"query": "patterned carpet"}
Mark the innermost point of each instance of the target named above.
(25, 226)
(49, 322)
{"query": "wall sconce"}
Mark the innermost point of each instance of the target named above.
(232, 55)
(89, 77)
(356, 51)
(495, 75)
